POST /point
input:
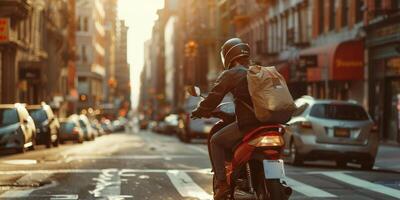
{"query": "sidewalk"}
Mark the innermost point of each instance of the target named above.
(388, 157)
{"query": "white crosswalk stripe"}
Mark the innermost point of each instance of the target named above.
(182, 184)
(186, 186)
(308, 190)
(351, 180)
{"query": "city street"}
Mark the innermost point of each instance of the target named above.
(144, 165)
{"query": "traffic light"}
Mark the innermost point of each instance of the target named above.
(191, 48)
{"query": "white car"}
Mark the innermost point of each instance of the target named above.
(340, 131)
(17, 129)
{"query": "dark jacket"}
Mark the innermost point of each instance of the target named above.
(234, 81)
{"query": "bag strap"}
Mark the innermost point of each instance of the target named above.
(246, 105)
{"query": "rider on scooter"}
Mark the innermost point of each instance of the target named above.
(235, 55)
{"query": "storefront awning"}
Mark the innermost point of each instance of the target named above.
(339, 61)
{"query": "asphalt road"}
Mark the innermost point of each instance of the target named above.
(144, 165)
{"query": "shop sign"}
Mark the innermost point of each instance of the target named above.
(348, 63)
(388, 30)
(4, 30)
(306, 61)
(393, 65)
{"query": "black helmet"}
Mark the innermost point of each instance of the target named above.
(233, 49)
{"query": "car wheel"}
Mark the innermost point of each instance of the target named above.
(22, 148)
(368, 165)
(184, 135)
(294, 157)
(48, 142)
(341, 163)
(33, 144)
(57, 141)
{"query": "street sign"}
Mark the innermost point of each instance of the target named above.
(307, 61)
(4, 30)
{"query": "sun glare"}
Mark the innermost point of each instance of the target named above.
(139, 16)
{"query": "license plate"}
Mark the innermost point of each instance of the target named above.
(273, 169)
(341, 132)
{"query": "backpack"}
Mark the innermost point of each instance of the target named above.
(271, 98)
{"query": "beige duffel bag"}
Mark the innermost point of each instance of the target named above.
(271, 98)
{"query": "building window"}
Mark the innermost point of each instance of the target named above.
(321, 16)
(359, 10)
(85, 24)
(84, 55)
(78, 24)
(378, 4)
(345, 12)
(332, 14)
(395, 4)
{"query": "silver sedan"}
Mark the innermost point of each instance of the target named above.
(341, 131)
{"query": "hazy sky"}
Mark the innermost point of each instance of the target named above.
(140, 16)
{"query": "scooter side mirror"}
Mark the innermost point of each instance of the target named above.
(193, 91)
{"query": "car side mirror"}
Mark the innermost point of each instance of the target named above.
(25, 121)
(193, 91)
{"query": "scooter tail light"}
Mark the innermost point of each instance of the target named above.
(267, 141)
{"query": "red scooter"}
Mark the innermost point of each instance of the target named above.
(254, 169)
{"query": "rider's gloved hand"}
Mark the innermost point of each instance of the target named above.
(198, 113)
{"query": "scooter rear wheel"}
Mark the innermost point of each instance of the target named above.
(274, 188)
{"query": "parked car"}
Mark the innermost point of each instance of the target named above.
(47, 124)
(341, 131)
(119, 124)
(88, 132)
(97, 126)
(70, 130)
(143, 122)
(194, 128)
(17, 129)
(106, 125)
(171, 124)
(159, 127)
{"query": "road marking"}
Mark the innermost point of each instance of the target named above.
(51, 197)
(20, 162)
(186, 186)
(121, 171)
(62, 197)
(25, 193)
(198, 149)
(128, 157)
(308, 190)
(108, 184)
(351, 180)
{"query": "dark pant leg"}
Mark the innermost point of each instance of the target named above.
(226, 138)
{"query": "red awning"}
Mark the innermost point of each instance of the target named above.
(344, 61)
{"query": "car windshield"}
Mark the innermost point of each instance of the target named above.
(8, 116)
(38, 115)
(67, 127)
(339, 112)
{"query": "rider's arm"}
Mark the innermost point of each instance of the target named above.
(223, 85)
